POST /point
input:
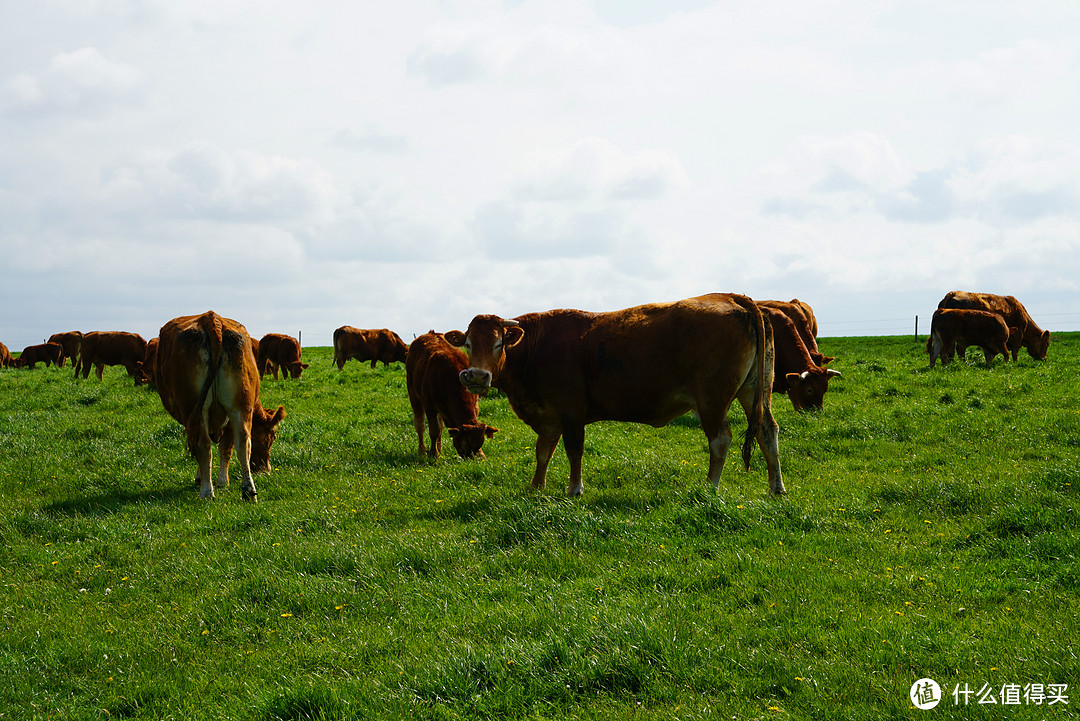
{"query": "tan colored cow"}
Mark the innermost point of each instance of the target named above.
(564, 369)
(274, 351)
(1031, 336)
(71, 341)
(111, 348)
(47, 353)
(435, 393)
(375, 345)
(208, 382)
(951, 328)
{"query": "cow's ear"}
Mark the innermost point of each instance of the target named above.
(305, 365)
(490, 431)
(826, 360)
(512, 336)
(278, 416)
(454, 432)
(794, 379)
(455, 338)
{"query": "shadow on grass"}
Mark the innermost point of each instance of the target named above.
(112, 501)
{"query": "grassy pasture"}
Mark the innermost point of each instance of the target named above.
(930, 530)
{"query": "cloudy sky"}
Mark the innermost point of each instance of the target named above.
(409, 164)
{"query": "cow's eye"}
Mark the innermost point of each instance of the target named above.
(468, 347)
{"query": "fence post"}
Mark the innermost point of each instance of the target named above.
(916, 327)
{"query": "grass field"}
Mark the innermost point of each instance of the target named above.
(930, 530)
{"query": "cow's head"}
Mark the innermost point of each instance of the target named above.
(264, 426)
(469, 438)
(1037, 348)
(807, 389)
(296, 368)
(485, 342)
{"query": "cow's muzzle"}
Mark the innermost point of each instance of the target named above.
(475, 380)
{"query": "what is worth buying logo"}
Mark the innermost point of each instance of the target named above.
(925, 694)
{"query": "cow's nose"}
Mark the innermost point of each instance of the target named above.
(475, 380)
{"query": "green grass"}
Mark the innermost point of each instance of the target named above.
(930, 530)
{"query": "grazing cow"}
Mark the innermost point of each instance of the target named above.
(6, 361)
(802, 316)
(1031, 336)
(279, 351)
(372, 345)
(564, 369)
(208, 381)
(48, 353)
(111, 348)
(71, 342)
(431, 377)
(146, 369)
(951, 328)
(795, 371)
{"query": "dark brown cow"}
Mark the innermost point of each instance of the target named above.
(564, 369)
(802, 316)
(431, 377)
(208, 381)
(795, 371)
(146, 370)
(6, 361)
(1032, 337)
(111, 348)
(280, 351)
(47, 353)
(951, 328)
(373, 345)
(71, 341)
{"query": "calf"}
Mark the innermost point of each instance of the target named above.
(432, 368)
(279, 351)
(113, 348)
(208, 382)
(1029, 334)
(951, 328)
(375, 345)
(47, 353)
(795, 370)
(147, 368)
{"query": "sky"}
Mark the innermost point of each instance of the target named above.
(410, 164)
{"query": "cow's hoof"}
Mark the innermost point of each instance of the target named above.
(575, 492)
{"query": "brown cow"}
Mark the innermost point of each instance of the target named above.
(146, 369)
(951, 328)
(805, 323)
(6, 361)
(795, 371)
(208, 381)
(71, 342)
(564, 369)
(279, 351)
(48, 353)
(372, 345)
(1032, 337)
(431, 377)
(111, 348)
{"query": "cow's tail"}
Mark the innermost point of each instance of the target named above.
(210, 324)
(337, 339)
(762, 371)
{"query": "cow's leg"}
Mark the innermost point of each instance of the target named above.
(100, 368)
(435, 430)
(225, 451)
(768, 438)
(545, 448)
(373, 362)
(988, 354)
(574, 445)
(241, 424)
(418, 424)
(718, 432)
(935, 349)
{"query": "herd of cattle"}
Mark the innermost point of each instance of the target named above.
(560, 370)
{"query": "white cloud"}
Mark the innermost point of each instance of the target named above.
(82, 80)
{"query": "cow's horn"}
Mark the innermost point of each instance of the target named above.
(510, 323)
(804, 374)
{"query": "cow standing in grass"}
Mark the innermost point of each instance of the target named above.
(795, 371)
(47, 353)
(6, 361)
(111, 348)
(564, 369)
(1012, 311)
(71, 342)
(435, 393)
(275, 351)
(951, 328)
(208, 382)
(375, 345)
